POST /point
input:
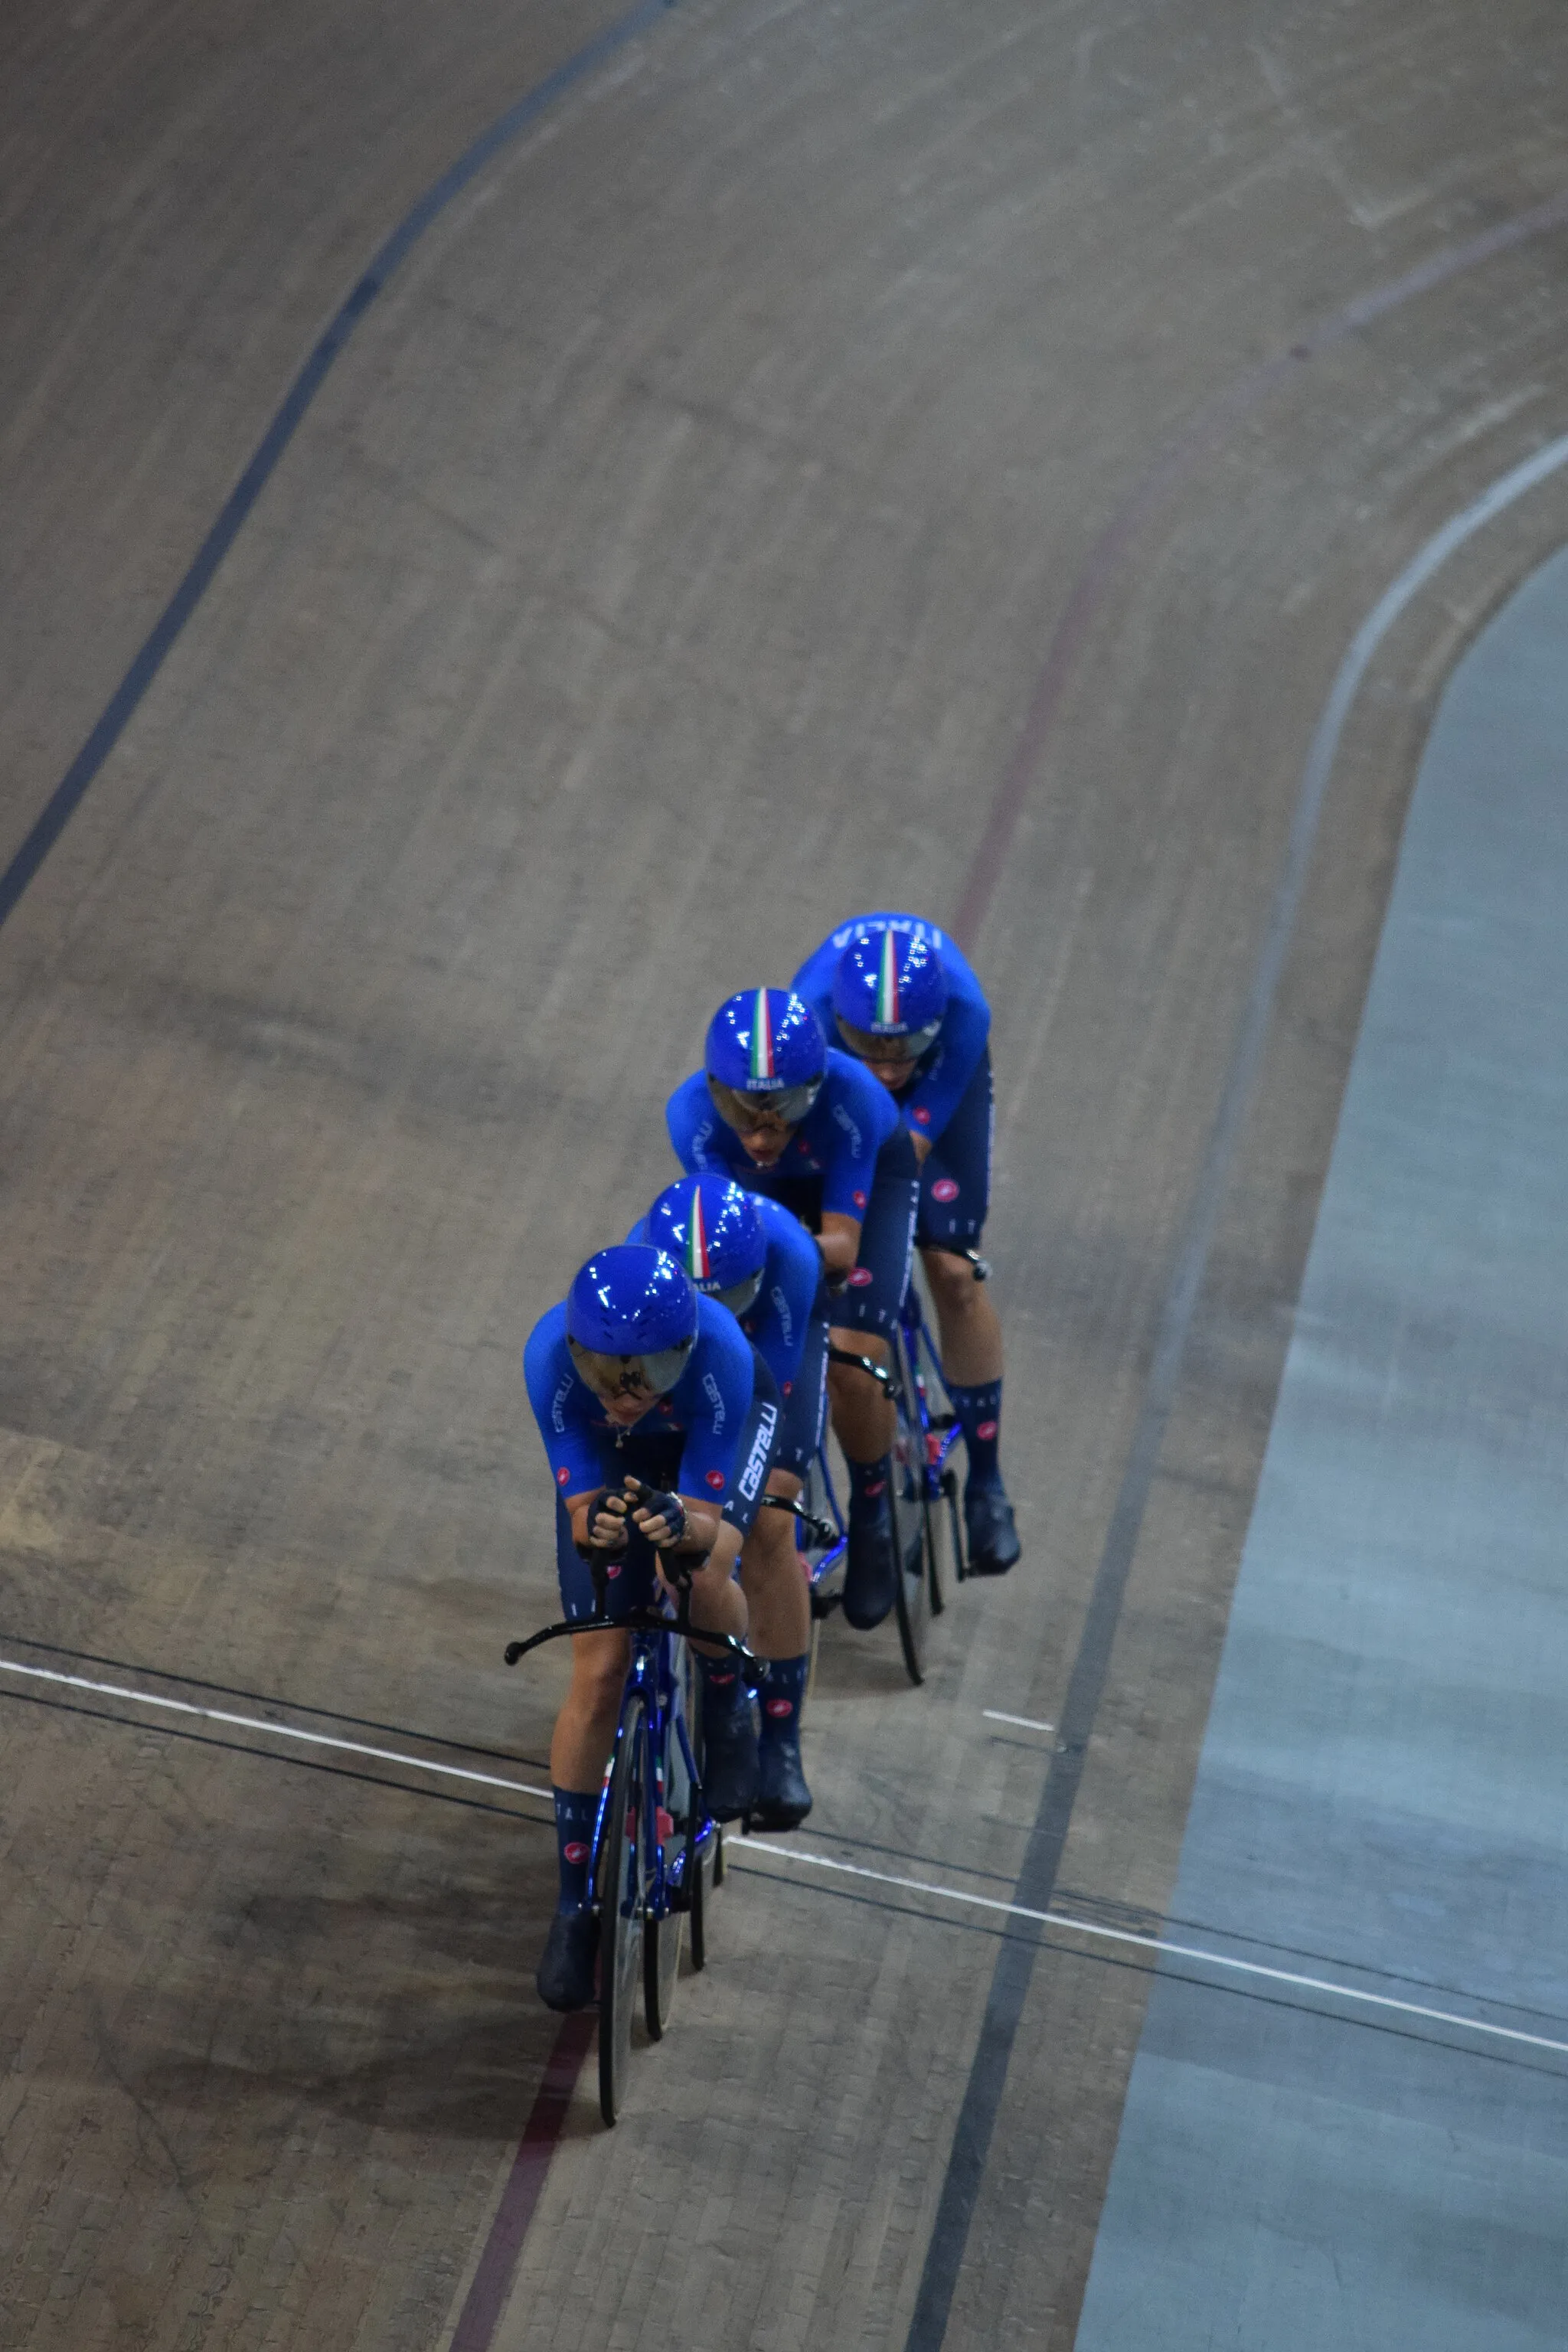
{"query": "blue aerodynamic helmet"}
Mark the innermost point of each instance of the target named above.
(890, 984)
(635, 1302)
(766, 1052)
(711, 1225)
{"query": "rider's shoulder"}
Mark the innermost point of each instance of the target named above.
(545, 1346)
(888, 918)
(690, 1095)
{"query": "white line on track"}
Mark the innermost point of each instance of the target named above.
(743, 1851)
(276, 1730)
(1024, 1722)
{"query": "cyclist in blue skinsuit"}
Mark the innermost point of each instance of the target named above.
(760, 1262)
(658, 1418)
(903, 999)
(787, 1115)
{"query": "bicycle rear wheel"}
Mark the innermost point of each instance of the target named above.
(706, 1869)
(622, 1905)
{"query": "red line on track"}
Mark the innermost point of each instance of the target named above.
(1206, 429)
(487, 2297)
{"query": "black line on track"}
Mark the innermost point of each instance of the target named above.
(1028, 1935)
(906, 1853)
(1036, 1878)
(1144, 1920)
(1160, 1968)
(260, 1699)
(266, 1756)
(126, 699)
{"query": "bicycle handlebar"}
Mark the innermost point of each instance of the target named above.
(643, 1621)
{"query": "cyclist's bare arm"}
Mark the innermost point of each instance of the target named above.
(839, 1241)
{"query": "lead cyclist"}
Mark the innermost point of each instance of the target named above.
(658, 1418)
(900, 996)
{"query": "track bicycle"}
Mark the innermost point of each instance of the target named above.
(924, 1494)
(657, 1852)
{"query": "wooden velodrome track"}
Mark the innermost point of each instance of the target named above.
(921, 452)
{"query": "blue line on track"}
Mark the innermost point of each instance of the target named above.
(1384, 1764)
(1041, 1859)
(123, 704)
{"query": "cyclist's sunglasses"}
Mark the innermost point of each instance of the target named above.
(616, 1375)
(785, 1107)
(866, 1046)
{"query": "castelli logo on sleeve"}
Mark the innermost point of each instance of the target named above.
(574, 1852)
(944, 1189)
(859, 1275)
(859, 1200)
(563, 1477)
(785, 1387)
(923, 1116)
(716, 1479)
(777, 1707)
(614, 1569)
(987, 1430)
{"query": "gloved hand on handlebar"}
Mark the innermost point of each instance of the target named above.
(660, 1516)
(607, 1522)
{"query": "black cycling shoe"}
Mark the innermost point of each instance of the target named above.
(994, 1546)
(566, 1973)
(784, 1799)
(729, 1761)
(871, 1572)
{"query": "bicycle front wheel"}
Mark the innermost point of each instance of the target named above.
(623, 1908)
(912, 1599)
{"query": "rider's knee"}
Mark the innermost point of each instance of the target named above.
(598, 1682)
(952, 1279)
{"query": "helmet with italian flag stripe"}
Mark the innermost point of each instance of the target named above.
(768, 1044)
(711, 1225)
(891, 984)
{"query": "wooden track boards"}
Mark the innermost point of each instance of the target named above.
(664, 571)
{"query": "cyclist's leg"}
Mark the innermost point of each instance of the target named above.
(579, 1750)
(955, 1190)
(864, 1317)
(729, 1767)
(776, 1593)
(779, 1598)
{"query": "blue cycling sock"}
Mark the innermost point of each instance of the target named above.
(782, 1695)
(868, 1489)
(723, 1687)
(574, 1814)
(979, 1415)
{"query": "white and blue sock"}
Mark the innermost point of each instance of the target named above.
(575, 1813)
(979, 1413)
(783, 1696)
